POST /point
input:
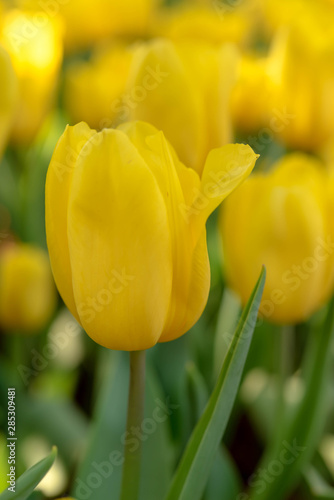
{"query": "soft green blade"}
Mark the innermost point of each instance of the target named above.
(26, 483)
(100, 472)
(193, 472)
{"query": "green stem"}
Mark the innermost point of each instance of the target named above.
(132, 458)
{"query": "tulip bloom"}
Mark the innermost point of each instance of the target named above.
(27, 291)
(252, 95)
(34, 42)
(189, 98)
(284, 221)
(303, 61)
(8, 97)
(125, 222)
(215, 23)
(105, 77)
(88, 22)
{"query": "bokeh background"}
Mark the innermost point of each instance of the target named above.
(207, 73)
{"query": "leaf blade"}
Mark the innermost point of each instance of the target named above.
(28, 481)
(192, 474)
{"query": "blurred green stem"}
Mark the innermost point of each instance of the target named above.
(132, 457)
(285, 369)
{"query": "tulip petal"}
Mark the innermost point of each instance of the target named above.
(178, 186)
(224, 170)
(170, 100)
(197, 294)
(182, 242)
(118, 226)
(58, 183)
(139, 133)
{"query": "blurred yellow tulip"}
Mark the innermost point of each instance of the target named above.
(216, 24)
(302, 59)
(283, 220)
(8, 97)
(253, 94)
(88, 22)
(93, 88)
(34, 42)
(184, 89)
(126, 234)
(27, 291)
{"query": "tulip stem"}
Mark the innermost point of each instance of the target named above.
(132, 454)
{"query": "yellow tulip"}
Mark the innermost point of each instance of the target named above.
(88, 22)
(278, 13)
(282, 219)
(252, 96)
(216, 24)
(184, 89)
(303, 63)
(34, 42)
(27, 291)
(104, 77)
(125, 224)
(8, 97)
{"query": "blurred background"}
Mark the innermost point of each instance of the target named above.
(207, 73)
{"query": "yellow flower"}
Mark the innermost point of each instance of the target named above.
(184, 89)
(215, 23)
(125, 225)
(34, 42)
(283, 220)
(93, 89)
(8, 97)
(88, 22)
(302, 59)
(27, 291)
(252, 96)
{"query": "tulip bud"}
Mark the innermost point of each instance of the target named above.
(282, 220)
(302, 59)
(87, 23)
(8, 97)
(125, 222)
(252, 95)
(27, 292)
(216, 23)
(189, 98)
(34, 42)
(104, 77)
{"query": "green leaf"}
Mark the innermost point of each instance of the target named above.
(194, 470)
(158, 454)
(304, 429)
(105, 434)
(318, 487)
(26, 483)
(224, 480)
(100, 473)
(227, 321)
